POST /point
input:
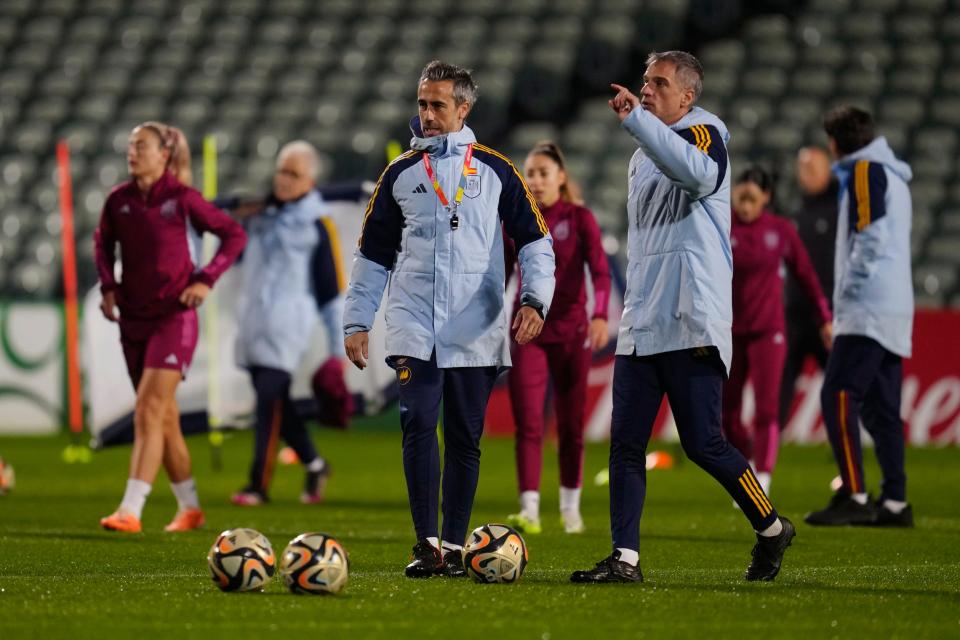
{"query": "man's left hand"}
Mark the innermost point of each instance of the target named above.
(527, 324)
(194, 295)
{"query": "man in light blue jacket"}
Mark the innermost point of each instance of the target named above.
(675, 333)
(873, 322)
(278, 312)
(432, 230)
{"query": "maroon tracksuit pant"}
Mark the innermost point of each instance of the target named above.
(758, 357)
(534, 366)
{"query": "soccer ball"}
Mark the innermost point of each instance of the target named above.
(241, 560)
(7, 477)
(314, 563)
(495, 553)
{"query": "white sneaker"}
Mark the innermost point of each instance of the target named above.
(572, 521)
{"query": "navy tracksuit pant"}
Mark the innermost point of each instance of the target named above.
(276, 417)
(465, 392)
(692, 379)
(863, 382)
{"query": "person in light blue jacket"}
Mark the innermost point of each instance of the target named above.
(278, 312)
(432, 237)
(675, 333)
(873, 322)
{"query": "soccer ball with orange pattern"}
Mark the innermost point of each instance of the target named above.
(314, 563)
(495, 553)
(241, 560)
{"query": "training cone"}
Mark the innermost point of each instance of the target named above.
(659, 460)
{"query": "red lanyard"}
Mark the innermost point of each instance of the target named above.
(468, 156)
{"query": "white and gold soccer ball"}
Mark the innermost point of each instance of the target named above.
(241, 560)
(315, 563)
(495, 553)
(7, 477)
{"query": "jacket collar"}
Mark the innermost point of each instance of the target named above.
(454, 143)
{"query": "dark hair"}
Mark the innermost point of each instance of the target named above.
(758, 176)
(850, 127)
(569, 190)
(464, 88)
(689, 70)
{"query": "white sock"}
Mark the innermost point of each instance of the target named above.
(630, 556)
(896, 506)
(772, 530)
(530, 504)
(859, 498)
(317, 465)
(569, 499)
(135, 497)
(763, 477)
(186, 493)
(435, 541)
(449, 546)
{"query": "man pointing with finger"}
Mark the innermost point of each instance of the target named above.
(433, 230)
(675, 333)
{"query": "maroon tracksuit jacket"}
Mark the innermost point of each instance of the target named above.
(155, 251)
(760, 251)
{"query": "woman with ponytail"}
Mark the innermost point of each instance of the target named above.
(157, 296)
(564, 348)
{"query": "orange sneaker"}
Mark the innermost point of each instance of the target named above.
(186, 520)
(119, 521)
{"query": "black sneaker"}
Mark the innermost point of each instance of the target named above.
(452, 566)
(610, 569)
(843, 510)
(887, 518)
(768, 553)
(426, 561)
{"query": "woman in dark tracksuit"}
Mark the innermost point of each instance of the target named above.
(562, 352)
(150, 217)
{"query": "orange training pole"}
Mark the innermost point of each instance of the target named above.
(70, 307)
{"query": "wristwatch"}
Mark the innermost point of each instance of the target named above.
(534, 304)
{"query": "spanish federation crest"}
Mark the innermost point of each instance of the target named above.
(471, 187)
(168, 208)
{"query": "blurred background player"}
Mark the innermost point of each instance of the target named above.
(562, 352)
(873, 325)
(675, 331)
(278, 312)
(160, 289)
(816, 222)
(441, 247)
(763, 243)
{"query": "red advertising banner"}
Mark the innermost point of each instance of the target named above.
(930, 400)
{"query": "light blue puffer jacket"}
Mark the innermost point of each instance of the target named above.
(278, 309)
(679, 261)
(446, 286)
(873, 291)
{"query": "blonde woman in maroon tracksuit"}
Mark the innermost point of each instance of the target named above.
(764, 246)
(562, 352)
(160, 289)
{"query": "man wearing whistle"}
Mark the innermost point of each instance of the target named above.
(432, 229)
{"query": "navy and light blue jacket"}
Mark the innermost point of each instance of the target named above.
(873, 290)
(279, 305)
(679, 261)
(446, 285)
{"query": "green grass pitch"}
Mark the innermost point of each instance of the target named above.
(62, 577)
